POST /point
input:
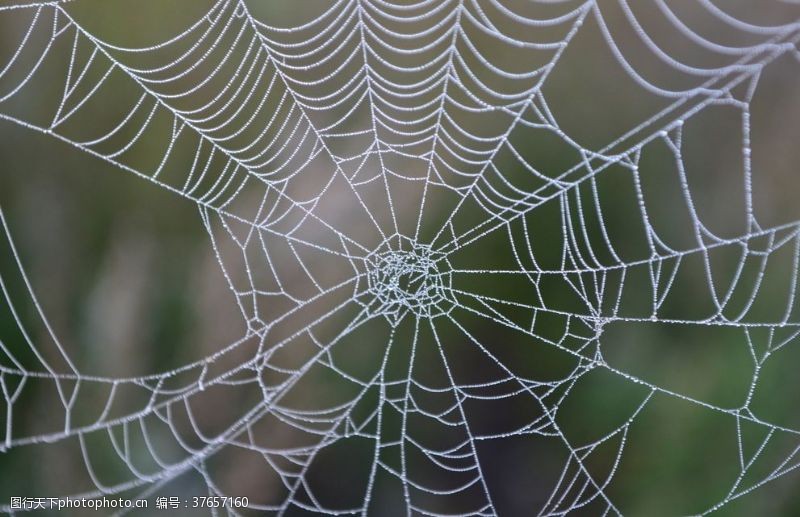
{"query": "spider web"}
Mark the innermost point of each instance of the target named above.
(354, 172)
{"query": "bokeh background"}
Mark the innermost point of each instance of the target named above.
(129, 282)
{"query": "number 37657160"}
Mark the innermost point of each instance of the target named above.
(219, 502)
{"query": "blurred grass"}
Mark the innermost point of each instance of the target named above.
(90, 235)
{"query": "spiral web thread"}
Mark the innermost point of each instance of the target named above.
(388, 113)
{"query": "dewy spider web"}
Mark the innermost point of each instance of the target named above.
(353, 172)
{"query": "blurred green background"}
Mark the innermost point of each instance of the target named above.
(127, 277)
